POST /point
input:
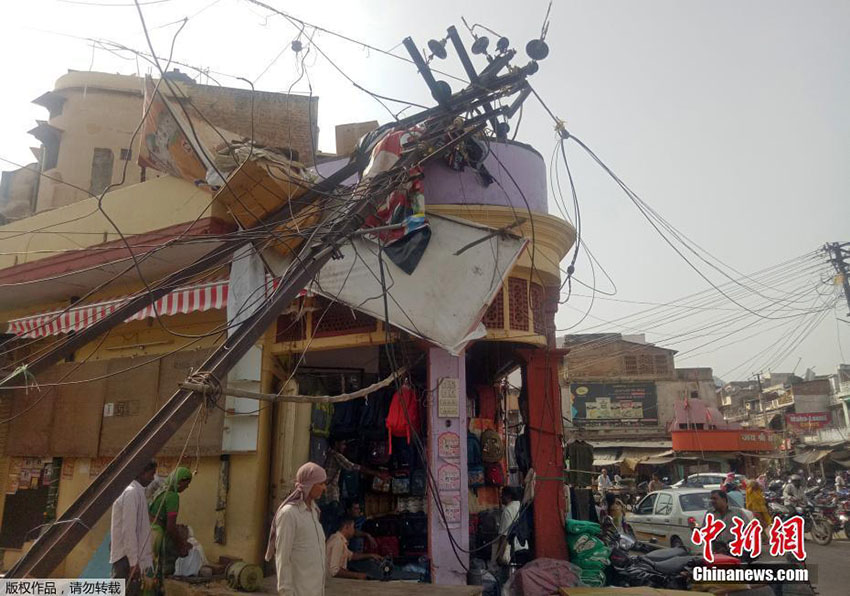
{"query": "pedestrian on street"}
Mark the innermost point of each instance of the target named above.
(655, 484)
(603, 483)
(297, 541)
(756, 503)
(170, 542)
(512, 544)
(616, 509)
(721, 510)
(130, 551)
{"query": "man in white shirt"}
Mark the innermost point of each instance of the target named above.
(297, 541)
(794, 495)
(509, 545)
(604, 482)
(130, 553)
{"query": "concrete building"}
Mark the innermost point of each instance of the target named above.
(741, 402)
(621, 396)
(608, 369)
(87, 139)
(245, 457)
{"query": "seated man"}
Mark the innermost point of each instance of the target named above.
(338, 554)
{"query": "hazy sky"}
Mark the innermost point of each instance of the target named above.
(730, 119)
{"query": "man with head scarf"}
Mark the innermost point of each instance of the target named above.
(297, 541)
(168, 543)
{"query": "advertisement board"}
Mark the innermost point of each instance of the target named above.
(614, 404)
(809, 420)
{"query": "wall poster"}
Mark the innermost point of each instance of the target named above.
(614, 404)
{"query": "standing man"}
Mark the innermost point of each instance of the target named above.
(721, 510)
(130, 550)
(604, 483)
(655, 484)
(296, 541)
(511, 545)
(335, 463)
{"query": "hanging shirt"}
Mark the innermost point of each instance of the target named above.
(131, 528)
(338, 554)
(299, 551)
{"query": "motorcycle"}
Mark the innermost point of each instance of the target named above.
(664, 568)
(815, 521)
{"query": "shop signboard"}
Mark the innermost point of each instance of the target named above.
(808, 421)
(614, 404)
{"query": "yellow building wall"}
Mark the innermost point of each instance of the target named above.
(92, 119)
(167, 201)
(247, 504)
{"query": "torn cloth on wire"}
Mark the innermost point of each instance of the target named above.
(405, 205)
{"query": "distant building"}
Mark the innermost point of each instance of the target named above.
(621, 394)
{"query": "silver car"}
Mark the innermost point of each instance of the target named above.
(668, 516)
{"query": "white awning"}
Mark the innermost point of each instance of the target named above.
(811, 457)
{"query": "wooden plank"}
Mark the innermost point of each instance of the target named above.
(206, 437)
(78, 411)
(130, 401)
(32, 412)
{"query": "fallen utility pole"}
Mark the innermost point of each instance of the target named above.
(60, 537)
(52, 546)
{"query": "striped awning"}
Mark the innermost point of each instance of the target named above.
(195, 298)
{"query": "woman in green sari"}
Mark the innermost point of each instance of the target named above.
(168, 544)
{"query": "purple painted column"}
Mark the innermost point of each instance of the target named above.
(447, 464)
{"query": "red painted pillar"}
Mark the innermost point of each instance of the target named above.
(547, 454)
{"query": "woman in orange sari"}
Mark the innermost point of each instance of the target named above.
(756, 502)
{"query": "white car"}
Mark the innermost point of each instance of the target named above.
(708, 480)
(668, 516)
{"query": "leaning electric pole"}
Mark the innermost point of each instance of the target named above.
(839, 253)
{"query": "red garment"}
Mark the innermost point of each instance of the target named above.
(403, 416)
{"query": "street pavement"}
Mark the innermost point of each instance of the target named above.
(833, 566)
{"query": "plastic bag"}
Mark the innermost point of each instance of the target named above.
(576, 526)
